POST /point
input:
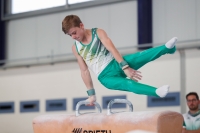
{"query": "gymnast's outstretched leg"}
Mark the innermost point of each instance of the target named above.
(124, 84)
(139, 59)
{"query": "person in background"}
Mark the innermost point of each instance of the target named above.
(192, 117)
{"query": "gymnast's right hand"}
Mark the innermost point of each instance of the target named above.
(133, 74)
(91, 99)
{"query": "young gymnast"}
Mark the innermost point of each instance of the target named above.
(95, 50)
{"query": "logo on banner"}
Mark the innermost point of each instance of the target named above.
(79, 130)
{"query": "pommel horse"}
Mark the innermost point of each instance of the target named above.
(110, 122)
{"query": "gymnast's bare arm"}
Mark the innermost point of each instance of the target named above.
(131, 73)
(85, 74)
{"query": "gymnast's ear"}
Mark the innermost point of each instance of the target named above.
(81, 25)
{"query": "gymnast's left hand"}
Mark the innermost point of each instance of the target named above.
(91, 99)
(133, 74)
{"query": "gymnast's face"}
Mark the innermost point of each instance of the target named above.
(192, 102)
(77, 32)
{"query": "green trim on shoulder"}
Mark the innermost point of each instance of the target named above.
(76, 47)
(96, 33)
